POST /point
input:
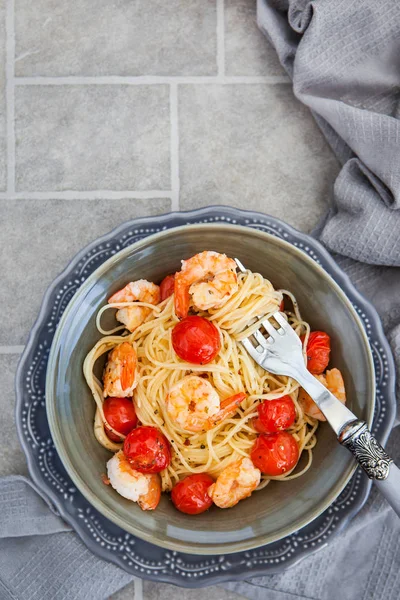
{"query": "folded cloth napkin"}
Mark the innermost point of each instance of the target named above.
(343, 58)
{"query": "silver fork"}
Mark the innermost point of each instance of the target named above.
(280, 352)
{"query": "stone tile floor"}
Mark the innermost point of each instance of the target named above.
(112, 110)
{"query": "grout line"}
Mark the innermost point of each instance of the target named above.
(138, 592)
(151, 80)
(10, 54)
(220, 38)
(268, 79)
(175, 184)
(11, 349)
(88, 195)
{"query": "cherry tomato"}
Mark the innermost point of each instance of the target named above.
(121, 415)
(318, 351)
(196, 340)
(167, 287)
(111, 435)
(275, 415)
(190, 495)
(147, 449)
(282, 305)
(275, 454)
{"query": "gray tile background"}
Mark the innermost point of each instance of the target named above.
(246, 51)
(252, 145)
(84, 137)
(98, 37)
(122, 109)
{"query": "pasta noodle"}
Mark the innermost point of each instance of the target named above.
(231, 372)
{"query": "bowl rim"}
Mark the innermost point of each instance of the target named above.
(178, 545)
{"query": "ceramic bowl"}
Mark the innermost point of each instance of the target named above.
(282, 507)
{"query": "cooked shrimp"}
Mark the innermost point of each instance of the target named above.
(194, 404)
(209, 278)
(332, 380)
(136, 291)
(120, 372)
(145, 489)
(237, 481)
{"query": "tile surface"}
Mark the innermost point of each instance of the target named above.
(253, 146)
(53, 232)
(3, 161)
(12, 459)
(247, 50)
(92, 137)
(124, 37)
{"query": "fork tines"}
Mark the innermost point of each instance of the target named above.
(265, 342)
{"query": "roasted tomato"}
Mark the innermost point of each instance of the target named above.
(167, 287)
(318, 351)
(275, 415)
(120, 415)
(275, 454)
(147, 449)
(196, 340)
(190, 495)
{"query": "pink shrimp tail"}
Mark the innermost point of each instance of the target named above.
(182, 296)
(227, 408)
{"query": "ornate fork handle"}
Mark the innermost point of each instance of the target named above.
(369, 453)
(375, 461)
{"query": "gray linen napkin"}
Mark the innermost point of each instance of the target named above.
(344, 60)
(40, 557)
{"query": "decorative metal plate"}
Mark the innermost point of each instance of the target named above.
(103, 537)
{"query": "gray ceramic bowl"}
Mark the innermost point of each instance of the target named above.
(281, 508)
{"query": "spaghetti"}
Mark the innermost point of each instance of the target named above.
(232, 371)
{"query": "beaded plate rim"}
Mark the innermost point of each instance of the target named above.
(95, 530)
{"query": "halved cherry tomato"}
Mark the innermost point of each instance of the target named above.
(167, 287)
(121, 415)
(190, 495)
(147, 449)
(275, 454)
(275, 415)
(318, 351)
(196, 340)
